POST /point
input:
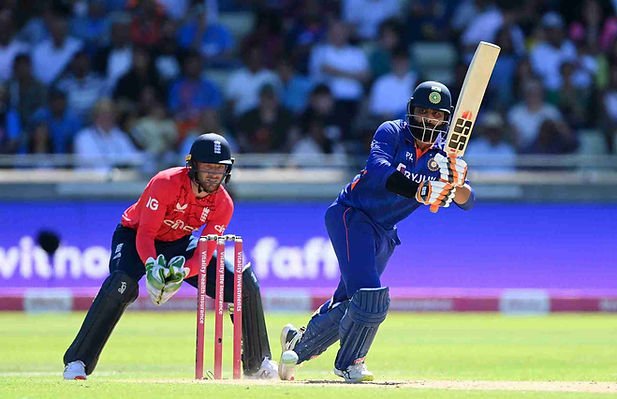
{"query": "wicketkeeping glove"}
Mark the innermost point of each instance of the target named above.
(452, 170)
(435, 193)
(164, 279)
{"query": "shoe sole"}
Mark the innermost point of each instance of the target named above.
(287, 365)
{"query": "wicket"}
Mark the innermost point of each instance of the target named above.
(206, 245)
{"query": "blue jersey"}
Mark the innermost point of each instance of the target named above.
(393, 148)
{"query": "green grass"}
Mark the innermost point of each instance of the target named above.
(152, 355)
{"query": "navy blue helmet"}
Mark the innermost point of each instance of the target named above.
(430, 95)
(210, 148)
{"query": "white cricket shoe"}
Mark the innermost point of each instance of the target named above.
(290, 336)
(355, 373)
(75, 371)
(267, 370)
(287, 365)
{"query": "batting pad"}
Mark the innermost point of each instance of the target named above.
(367, 310)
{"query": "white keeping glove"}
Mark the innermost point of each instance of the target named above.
(163, 279)
(435, 193)
(452, 170)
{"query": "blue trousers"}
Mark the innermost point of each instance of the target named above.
(362, 249)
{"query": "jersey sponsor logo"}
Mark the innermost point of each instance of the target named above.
(204, 214)
(152, 203)
(181, 208)
(220, 228)
(179, 225)
(415, 177)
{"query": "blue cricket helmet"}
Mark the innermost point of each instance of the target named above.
(431, 95)
(210, 148)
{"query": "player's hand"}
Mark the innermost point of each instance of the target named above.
(452, 170)
(176, 272)
(155, 273)
(435, 193)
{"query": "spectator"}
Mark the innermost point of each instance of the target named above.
(103, 146)
(554, 137)
(491, 143)
(25, 92)
(168, 54)
(308, 28)
(321, 106)
(389, 38)
(61, 122)
(608, 113)
(572, 99)
(344, 68)
(315, 148)
(10, 46)
(82, 86)
(295, 87)
(390, 93)
(210, 39)
(115, 59)
(549, 53)
(242, 92)
(501, 85)
(527, 117)
(365, 16)
(147, 19)
(51, 56)
(157, 135)
(267, 127)
(191, 94)
(428, 20)
(11, 138)
(91, 25)
(142, 74)
(266, 36)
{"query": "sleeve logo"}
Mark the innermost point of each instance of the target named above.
(152, 203)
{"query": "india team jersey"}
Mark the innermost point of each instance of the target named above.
(393, 148)
(168, 210)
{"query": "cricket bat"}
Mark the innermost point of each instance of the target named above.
(469, 100)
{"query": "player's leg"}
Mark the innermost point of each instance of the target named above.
(366, 253)
(118, 291)
(256, 355)
(323, 328)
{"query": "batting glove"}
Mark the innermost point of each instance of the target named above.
(452, 170)
(435, 193)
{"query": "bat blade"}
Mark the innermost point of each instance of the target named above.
(470, 98)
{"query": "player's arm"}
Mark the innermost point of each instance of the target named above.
(217, 225)
(152, 206)
(380, 162)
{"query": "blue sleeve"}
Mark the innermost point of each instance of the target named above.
(383, 148)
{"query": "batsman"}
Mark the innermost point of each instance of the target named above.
(155, 238)
(406, 169)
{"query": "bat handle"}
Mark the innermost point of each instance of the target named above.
(434, 208)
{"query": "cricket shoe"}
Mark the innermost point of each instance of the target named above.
(75, 371)
(290, 336)
(267, 370)
(355, 373)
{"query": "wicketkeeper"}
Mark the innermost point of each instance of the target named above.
(406, 169)
(154, 238)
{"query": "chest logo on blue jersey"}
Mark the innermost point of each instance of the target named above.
(415, 177)
(432, 165)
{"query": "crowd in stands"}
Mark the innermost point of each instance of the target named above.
(109, 80)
